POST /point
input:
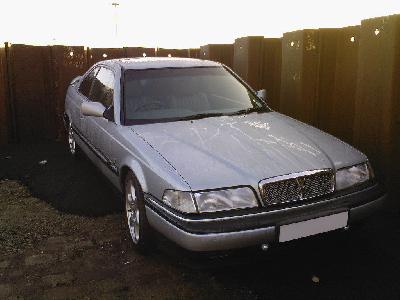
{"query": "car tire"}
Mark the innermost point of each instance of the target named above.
(73, 147)
(135, 214)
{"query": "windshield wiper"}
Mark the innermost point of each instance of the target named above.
(248, 110)
(201, 116)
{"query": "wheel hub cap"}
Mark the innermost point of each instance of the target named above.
(71, 140)
(132, 212)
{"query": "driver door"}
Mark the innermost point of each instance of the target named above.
(101, 131)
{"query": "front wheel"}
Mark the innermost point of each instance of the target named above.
(138, 225)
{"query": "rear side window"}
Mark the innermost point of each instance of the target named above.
(86, 84)
(103, 87)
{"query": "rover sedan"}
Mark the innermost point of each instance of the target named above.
(200, 157)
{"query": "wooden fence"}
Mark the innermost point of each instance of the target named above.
(4, 118)
(34, 80)
(345, 81)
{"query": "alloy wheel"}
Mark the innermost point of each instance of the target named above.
(132, 211)
(71, 140)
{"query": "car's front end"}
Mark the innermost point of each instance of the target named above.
(242, 174)
(291, 207)
(256, 180)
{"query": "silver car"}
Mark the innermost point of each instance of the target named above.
(200, 157)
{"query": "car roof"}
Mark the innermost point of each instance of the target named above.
(141, 63)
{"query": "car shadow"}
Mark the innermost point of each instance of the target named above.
(362, 262)
(73, 186)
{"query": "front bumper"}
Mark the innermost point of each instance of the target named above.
(210, 232)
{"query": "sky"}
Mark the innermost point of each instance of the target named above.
(174, 23)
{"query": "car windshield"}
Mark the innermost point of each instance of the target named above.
(172, 94)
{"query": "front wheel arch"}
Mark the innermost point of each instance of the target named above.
(135, 168)
(124, 171)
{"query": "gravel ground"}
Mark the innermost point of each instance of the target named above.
(62, 235)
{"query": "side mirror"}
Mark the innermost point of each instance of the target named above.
(262, 94)
(94, 109)
(109, 113)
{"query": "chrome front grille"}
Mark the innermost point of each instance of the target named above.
(297, 186)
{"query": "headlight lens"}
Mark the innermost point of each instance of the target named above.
(348, 177)
(212, 201)
(182, 201)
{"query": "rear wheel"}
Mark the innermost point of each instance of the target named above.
(72, 145)
(135, 212)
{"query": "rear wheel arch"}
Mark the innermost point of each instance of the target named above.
(66, 120)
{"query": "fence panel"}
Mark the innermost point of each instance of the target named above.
(341, 118)
(32, 92)
(67, 63)
(271, 71)
(300, 75)
(163, 52)
(98, 54)
(248, 58)
(3, 98)
(327, 48)
(377, 107)
(222, 53)
(194, 52)
(139, 52)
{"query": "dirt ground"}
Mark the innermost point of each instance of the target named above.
(62, 235)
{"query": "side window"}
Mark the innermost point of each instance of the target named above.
(86, 83)
(103, 87)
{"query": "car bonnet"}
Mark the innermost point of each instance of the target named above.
(239, 150)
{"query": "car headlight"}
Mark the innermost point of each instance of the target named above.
(210, 201)
(354, 175)
(228, 199)
(182, 201)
